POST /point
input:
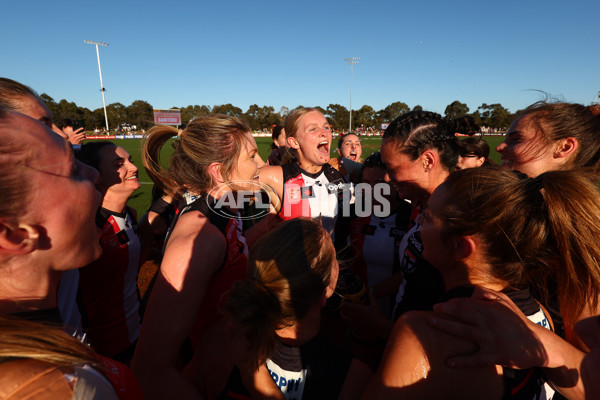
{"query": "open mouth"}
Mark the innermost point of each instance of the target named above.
(352, 156)
(323, 147)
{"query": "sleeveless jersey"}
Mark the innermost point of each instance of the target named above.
(318, 195)
(314, 370)
(233, 268)
(375, 242)
(108, 295)
(422, 283)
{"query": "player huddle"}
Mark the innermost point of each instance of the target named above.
(478, 280)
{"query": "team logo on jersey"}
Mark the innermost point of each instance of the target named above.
(246, 200)
(307, 192)
(396, 233)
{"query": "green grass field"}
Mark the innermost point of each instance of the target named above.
(141, 199)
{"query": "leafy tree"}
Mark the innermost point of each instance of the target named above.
(117, 114)
(190, 112)
(365, 116)
(494, 115)
(456, 109)
(228, 109)
(417, 108)
(140, 114)
(395, 110)
(339, 116)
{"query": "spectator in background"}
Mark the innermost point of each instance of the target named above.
(74, 133)
(279, 145)
(108, 293)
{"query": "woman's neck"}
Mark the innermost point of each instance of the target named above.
(115, 202)
(464, 275)
(309, 167)
(26, 288)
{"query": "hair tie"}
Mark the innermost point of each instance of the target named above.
(534, 183)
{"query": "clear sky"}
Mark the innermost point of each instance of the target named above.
(173, 54)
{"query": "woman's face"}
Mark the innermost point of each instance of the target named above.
(67, 200)
(247, 166)
(407, 176)
(281, 141)
(525, 150)
(312, 141)
(118, 173)
(351, 147)
(435, 247)
(469, 161)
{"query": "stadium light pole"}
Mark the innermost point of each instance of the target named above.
(351, 61)
(101, 84)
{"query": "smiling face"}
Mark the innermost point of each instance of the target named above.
(525, 150)
(118, 173)
(247, 166)
(312, 141)
(65, 187)
(407, 176)
(351, 147)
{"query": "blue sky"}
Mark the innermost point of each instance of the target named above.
(292, 53)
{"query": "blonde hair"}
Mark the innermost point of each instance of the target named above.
(21, 339)
(206, 140)
(291, 131)
(289, 269)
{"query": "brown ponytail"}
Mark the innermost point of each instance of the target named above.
(289, 269)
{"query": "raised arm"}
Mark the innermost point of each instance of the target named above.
(194, 253)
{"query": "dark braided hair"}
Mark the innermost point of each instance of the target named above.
(417, 131)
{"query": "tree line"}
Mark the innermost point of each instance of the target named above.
(139, 113)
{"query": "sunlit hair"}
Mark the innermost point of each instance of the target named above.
(25, 339)
(15, 186)
(291, 130)
(289, 269)
(206, 140)
(556, 121)
(13, 92)
(542, 231)
(417, 131)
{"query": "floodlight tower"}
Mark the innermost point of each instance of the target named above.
(351, 61)
(102, 89)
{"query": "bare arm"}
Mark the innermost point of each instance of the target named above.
(522, 344)
(413, 367)
(194, 253)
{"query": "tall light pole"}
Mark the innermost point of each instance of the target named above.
(101, 84)
(351, 61)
